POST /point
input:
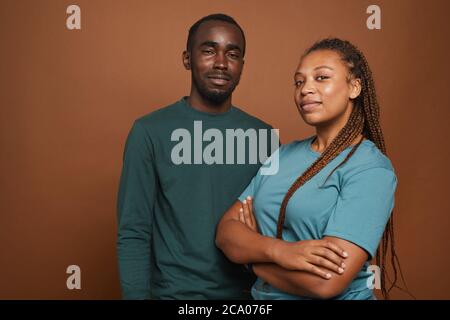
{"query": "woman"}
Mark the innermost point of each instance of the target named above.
(320, 219)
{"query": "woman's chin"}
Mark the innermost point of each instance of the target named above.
(312, 120)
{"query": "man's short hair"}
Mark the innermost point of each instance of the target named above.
(212, 17)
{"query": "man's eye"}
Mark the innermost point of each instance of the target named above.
(208, 51)
(234, 55)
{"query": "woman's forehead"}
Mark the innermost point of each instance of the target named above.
(321, 59)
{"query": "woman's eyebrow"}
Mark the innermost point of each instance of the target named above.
(316, 68)
(321, 67)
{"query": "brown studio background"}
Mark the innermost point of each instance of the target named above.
(68, 99)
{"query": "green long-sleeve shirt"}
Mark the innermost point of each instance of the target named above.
(168, 211)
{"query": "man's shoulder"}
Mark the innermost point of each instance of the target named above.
(160, 114)
(251, 120)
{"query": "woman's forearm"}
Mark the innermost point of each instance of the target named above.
(299, 283)
(242, 245)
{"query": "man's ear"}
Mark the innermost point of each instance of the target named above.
(186, 60)
(355, 88)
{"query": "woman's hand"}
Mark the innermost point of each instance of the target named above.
(314, 256)
(246, 215)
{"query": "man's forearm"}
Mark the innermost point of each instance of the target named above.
(134, 268)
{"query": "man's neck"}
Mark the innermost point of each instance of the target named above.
(199, 103)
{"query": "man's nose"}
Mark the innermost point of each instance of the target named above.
(221, 61)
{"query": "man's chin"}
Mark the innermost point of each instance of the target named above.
(216, 96)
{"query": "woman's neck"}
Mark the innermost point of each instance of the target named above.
(323, 140)
(324, 137)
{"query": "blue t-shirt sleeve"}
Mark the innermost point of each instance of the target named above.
(269, 167)
(252, 187)
(363, 208)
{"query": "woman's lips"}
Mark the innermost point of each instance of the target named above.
(310, 106)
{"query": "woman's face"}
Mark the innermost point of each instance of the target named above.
(323, 89)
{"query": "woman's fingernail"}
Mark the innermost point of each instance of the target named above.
(343, 265)
(241, 210)
(345, 254)
(328, 275)
(341, 270)
(244, 202)
(249, 198)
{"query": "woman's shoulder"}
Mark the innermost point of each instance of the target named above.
(371, 154)
(296, 146)
(367, 157)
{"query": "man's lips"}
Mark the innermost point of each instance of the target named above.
(219, 76)
(219, 79)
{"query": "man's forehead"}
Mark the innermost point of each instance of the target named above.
(219, 31)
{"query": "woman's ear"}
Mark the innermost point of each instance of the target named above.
(186, 60)
(355, 88)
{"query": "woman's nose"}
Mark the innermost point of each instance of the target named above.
(307, 88)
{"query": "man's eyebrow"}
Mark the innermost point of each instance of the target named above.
(214, 44)
(209, 44)
(316, 68)
(233, 46)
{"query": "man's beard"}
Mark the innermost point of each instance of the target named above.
(215, 97)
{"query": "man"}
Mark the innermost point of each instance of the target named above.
(173, 190)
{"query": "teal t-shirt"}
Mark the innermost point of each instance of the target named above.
(354, 204)
(168, 211)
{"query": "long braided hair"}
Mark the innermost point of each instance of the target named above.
(363, 120)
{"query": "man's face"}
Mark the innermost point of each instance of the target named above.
(216, 60)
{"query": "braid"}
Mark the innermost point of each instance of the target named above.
(364, 120)
(347, 134)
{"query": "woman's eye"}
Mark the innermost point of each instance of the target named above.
(320, 78)
(298, 83)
